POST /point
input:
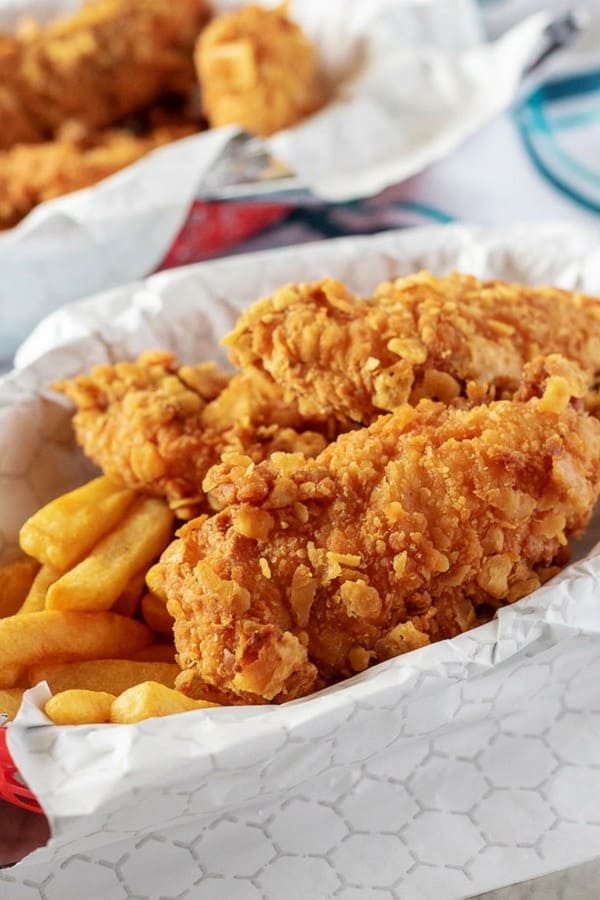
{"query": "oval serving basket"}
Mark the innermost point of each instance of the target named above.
(12, 788)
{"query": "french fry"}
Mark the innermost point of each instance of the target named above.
(156, 615)
(150, 700)
(154, 583)
(16, 579)
(156, 653)
(97, 581)
(79, 707)
(35, 600)
(10, 702)
(112, 675)
(11, 675)
(127, 604)
(64, 531)
(68, 636)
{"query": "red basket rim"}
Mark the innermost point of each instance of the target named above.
(12, 788)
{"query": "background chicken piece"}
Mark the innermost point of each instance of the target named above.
(257, 70)
(409, 531)
(16, 124)
(144, 423)
(417, 337)
(33, 173)
(109, 59)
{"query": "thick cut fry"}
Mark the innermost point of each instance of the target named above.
(67, 636)
(128, 602)
(97, 582)
(112, 675)
(156, 653)
(154, 583)
(150, 700)
(156, 615)
(11, 675)
(79, 707)
(10, 702)
(61, 533)
(35, 601)
(16, 579)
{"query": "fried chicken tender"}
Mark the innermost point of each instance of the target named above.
(151, 424)
(258, 70)
(409, 531)
(420, 336)
(17, 127)
(252, 400)
(108, 59)
(33, 173)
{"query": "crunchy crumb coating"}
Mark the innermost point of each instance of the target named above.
(257, 70)
(16, 124)
(33, 173)
(252, 400)
(151, 425)
(409, 531)
(110, 58)
(420, 336)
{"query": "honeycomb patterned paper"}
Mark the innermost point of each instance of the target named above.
(456, 769)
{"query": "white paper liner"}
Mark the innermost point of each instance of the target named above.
(454, 769)
(410, 82)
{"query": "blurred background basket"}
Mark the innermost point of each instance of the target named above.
(12, 788)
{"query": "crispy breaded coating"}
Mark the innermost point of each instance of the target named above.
(142, 421)
(409, 531)
(16, 126)
(258, 70)
(33, 173)
(253, 400)
(151, 425)
(108, 59)
(420, 336)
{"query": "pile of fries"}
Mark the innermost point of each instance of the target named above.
(78, 613)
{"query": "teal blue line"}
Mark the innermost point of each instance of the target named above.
(573, 120)
(542, 126)
(531, 112)
(586, 83)
(548, 174)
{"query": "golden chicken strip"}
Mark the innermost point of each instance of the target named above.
(151, 424)
(33, 173)
(417, 337)
(409, 531)
(257, 70)
(109, 59)
(252, 400)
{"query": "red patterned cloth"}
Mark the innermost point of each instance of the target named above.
(212, 229)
